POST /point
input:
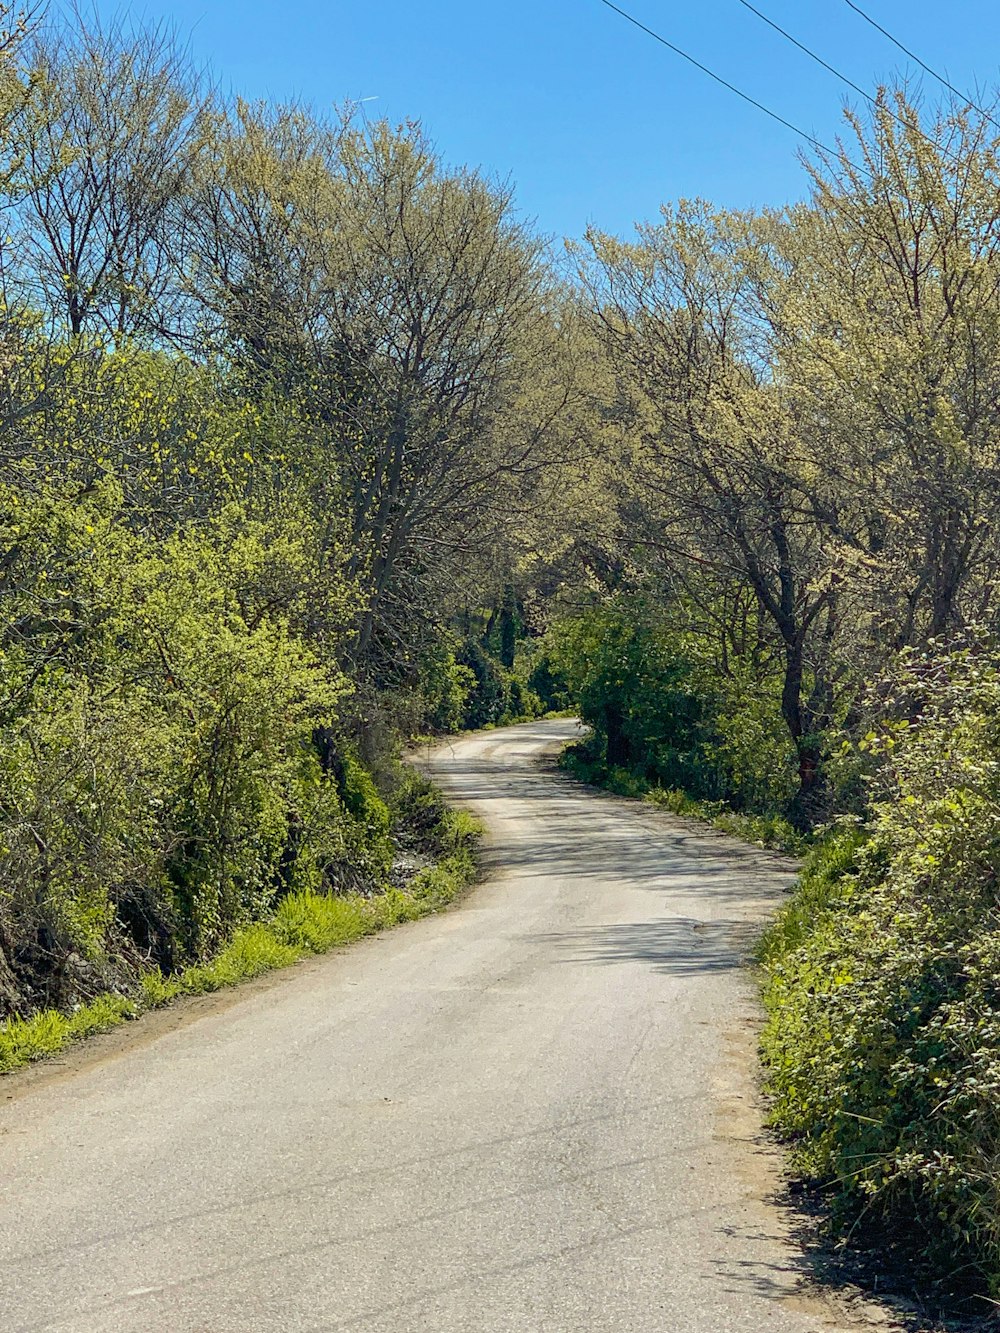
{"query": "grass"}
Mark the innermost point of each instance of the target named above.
(771, 829)
(767, 830)
(822, 884)
(303, 925)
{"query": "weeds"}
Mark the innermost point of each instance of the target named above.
(766, 830)
(304, 924)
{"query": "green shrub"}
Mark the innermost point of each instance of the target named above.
(304, 923)
(824, 881)
(643, 697)
(159, 785)
(661, 710)
(419, 810)
(624, 783)
(678, 802)
(445, 687)
(882, 1046)
(546, 680)
(488, 700)
(578, 760)
(771, 830)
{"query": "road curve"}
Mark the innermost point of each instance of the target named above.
(534, 1112)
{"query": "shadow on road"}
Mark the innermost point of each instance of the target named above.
(674, 945)
(638, 846)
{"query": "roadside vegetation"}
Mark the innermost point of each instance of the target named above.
(796, 633)
(883, 1038)
(255, 516)
(305, 923)
(309, 444)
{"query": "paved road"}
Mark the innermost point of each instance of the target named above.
(532, 1113)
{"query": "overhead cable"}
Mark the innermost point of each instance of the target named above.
(752, 101)
(872, 101)
(964, 97)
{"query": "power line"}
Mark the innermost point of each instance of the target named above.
(923, 64)
(839, 152)
(816, 143)
(810, 53)
(906, 124)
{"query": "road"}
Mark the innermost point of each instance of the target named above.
(533, 1112)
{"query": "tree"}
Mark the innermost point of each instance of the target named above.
(403, 308)
(888, 331)
(714, 465)
(105, 146)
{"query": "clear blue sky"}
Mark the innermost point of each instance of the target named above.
(592, 120)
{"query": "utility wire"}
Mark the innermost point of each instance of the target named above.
(816, 143)
(923, 64)
(810, 53)
(759, 106)
(907, 124)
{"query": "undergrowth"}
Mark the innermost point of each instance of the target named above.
(882, 1042)
(305, 923)
(765, 830)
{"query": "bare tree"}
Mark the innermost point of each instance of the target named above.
(105, 147)
(404, 308)
(715, 464)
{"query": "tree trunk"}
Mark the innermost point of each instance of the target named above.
(805, 806)
(11, 999)
(619, 752)
(808, 803)
(508, 627)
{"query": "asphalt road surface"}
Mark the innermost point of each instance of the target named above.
(533, 1112)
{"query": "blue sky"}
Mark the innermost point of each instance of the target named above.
(592, 120)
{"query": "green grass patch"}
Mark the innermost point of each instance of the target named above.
(25, 1039)
(764, 830)
(822, 885)
(303, 924)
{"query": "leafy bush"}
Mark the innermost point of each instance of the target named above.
(545, 679)
(498, 694)
(750, 742)
(462, 685)
(662, 713)
(303, 923)
(883, 1042)
(642, 697)
(825, 879)
(159, 786)
(445, 688)
(770, 830)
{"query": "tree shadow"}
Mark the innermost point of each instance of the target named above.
(677, 946)
(873, 1280)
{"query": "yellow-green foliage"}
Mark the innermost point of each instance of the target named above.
(175, 604)
(156, 723)
(882, 1046)
(223, 568)
(166, 655)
